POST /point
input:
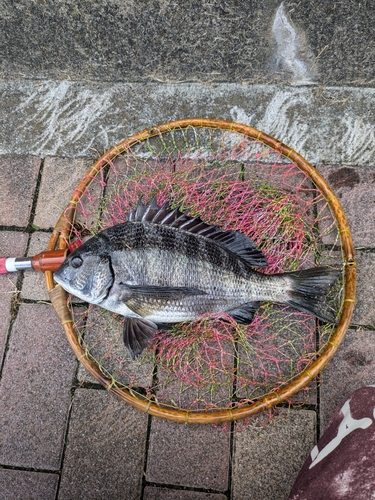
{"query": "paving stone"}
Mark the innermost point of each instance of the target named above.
(103, 339)
(20, 484)
(267, 459)
(352, 367)
(107, 438)
(282, 349)
(34, 391)
(60, 177)
(11, 244)
(364, 311)
(34, 285)
(355, 189)
(152, 493)
(195, 456)
(18, 181)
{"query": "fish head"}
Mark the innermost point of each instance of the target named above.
(87, 274)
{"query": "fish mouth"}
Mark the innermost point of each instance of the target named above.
(59, 281)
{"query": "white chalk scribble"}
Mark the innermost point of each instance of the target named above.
(69, 118)
(291, 56)
(64, 114)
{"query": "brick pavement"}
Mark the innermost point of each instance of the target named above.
(66, 438)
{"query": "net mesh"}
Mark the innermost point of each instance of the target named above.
(237, 183)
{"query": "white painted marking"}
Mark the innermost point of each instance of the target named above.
(278, 119)
(358, 138)
(347, 426)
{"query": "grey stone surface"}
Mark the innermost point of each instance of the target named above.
(195, 456)
(19, 484)
(60, 177)
(105, 448)
(152, 493)
(328, 125)
(11, 244)
(352, 367)
(364, 313)
(355, 189)
(34, 391)
(267, 459)
(209, 41)
(34, 285)
(18, 181)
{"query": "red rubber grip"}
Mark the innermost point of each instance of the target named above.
(3, 269)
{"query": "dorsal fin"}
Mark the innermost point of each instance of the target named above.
(242, 246)
(234, 241)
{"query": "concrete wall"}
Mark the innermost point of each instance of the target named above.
(80, 76)
(252, 41)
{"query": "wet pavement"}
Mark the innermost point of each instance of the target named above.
(62, 438)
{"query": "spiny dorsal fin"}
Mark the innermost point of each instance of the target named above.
(234, 241)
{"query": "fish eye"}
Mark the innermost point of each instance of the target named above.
(76, 262)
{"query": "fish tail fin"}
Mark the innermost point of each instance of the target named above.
(308, 289)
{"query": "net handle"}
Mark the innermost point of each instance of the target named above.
(58, 297)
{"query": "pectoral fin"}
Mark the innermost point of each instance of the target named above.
(136, 334)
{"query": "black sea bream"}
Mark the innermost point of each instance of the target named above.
(162, 266)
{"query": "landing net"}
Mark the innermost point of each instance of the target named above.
(232, 176)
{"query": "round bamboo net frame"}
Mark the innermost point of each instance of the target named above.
(62, 234)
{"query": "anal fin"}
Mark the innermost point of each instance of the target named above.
(244, 314)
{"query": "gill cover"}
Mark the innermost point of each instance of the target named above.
(86, 275)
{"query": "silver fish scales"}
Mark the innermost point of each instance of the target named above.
(162, 266)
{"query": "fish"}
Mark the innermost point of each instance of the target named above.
(163, 266)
